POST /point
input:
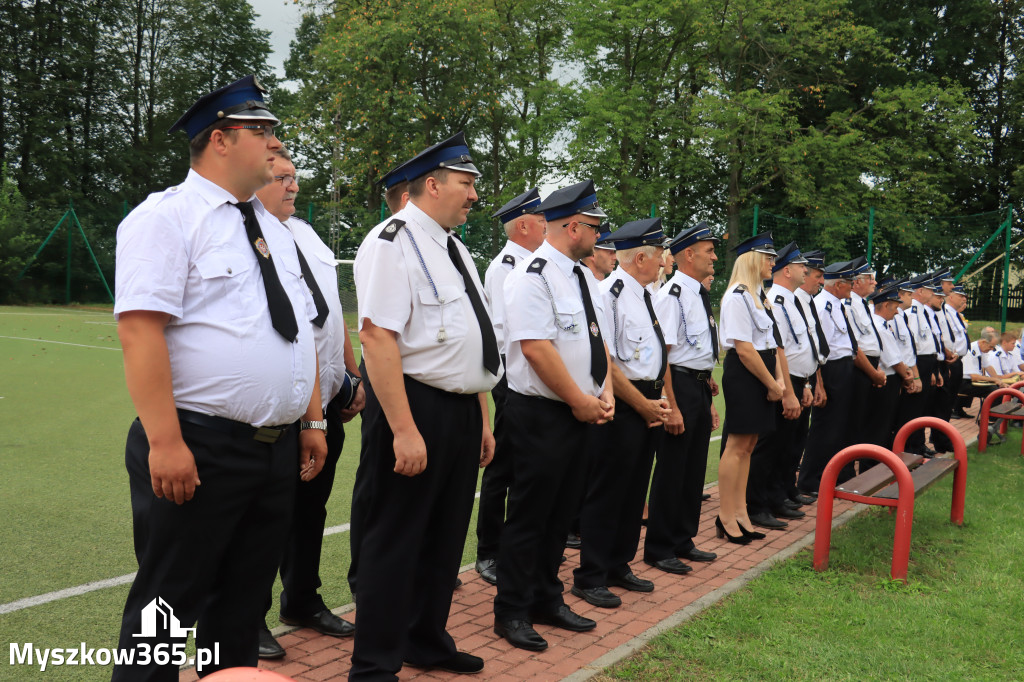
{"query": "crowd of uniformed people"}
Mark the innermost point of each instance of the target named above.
(599, 348)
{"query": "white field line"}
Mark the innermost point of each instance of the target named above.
(67, 312)
(61, 343)
(40, 599)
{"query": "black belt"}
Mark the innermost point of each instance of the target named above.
(260, 434)
(648, 386)
(765, 354)
(698, 374)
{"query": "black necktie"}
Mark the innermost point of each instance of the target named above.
(598, 360)
(906, 322)
(800, 309)
(491, 359)
(849, 330)
(282, 317)
(775, 325)
(705, 298)
(318, 297)
(657, 330)
(871, 319)
(822, 341)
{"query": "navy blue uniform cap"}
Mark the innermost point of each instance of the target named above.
(759, 243)
(890, 293)
(527, 202)
(815, 259)
(580, 199)
(242, 100)
(451, 153)
(687, 238)
(840, 270)
(788, 255)
(645, 232)
(603, 241)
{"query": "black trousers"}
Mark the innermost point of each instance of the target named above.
(547, 445)
(828, 433)
(795, 447)
(618, 475)
(414, 530)
(880, 412)
(858, 428)
(213, 558)
(494, 483)
(914, 405)
(767, 487)
(300, 564)
(677, 487)
(945, 399)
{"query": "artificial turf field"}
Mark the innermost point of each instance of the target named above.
(64, 415)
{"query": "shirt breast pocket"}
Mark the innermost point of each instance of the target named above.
(570, 319)
(638, 342)
(445, 311)
(225, 276)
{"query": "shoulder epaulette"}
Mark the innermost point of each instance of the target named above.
(740, 289)
(974, 352)
(913, 309)
(828, 307)
(391, 229)
(617, 288)
(509, 259)
(779, 300)
(675, 290)
(537, 265)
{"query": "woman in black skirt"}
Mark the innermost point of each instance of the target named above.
(749, 380)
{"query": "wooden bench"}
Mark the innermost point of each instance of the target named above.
(1006, 411)
(894, 485)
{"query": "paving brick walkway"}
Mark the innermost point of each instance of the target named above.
(576, 656)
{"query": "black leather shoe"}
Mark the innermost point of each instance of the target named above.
(960, 414)
(598, 596)
(631, 583)
(573, 541)
(672, 565)
(324, 622)
(520, 634)
(566, 619)
(488, 570)
(458, 584)
(766, 520)
(787, 513)
(705, 497)
(791, 504)
(269, 650)
(801, 498)
(461, 663)
(698, 555)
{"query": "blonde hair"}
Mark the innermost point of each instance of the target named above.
(747, 270)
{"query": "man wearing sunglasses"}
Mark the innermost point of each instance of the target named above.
(220, 362)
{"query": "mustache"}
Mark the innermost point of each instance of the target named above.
(290, 195)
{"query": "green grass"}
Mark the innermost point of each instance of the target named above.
(959, 617)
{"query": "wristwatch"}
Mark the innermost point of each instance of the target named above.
(322, 425)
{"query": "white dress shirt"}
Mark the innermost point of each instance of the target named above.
(184, 252)
(545, 303)
(423, 301)
(742, 320)
(494, 281)
(330, 340)
(861, 318)
(920, 324)
(833, 325)
(685, 323)
(795, 335)
(633, 345)
(891, 352)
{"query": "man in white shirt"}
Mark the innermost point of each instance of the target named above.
(525, 228)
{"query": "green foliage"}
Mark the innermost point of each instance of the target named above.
(18, 242)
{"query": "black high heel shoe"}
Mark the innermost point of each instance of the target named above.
(735, 539)
(752, 534)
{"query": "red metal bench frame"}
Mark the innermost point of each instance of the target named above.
(904, 505)
(985, 414)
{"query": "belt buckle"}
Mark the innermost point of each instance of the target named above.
(658, 384)
(265, 434)
(703, 375)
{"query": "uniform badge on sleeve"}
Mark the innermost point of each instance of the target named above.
(262, 247)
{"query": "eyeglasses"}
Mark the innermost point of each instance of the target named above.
(268, 130)
(285, 179)
(596, 228)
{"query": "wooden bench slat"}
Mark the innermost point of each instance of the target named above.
(878, 476)
(1008, 409)
(924, 476)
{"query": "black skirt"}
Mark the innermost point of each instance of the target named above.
(747, 408)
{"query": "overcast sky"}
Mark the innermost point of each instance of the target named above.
(281, 18)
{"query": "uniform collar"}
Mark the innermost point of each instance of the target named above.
(214, 194)
(631, 284)
(779, 290)
(689, 282)
(560, 260)
(414, 214)
(520, 252)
